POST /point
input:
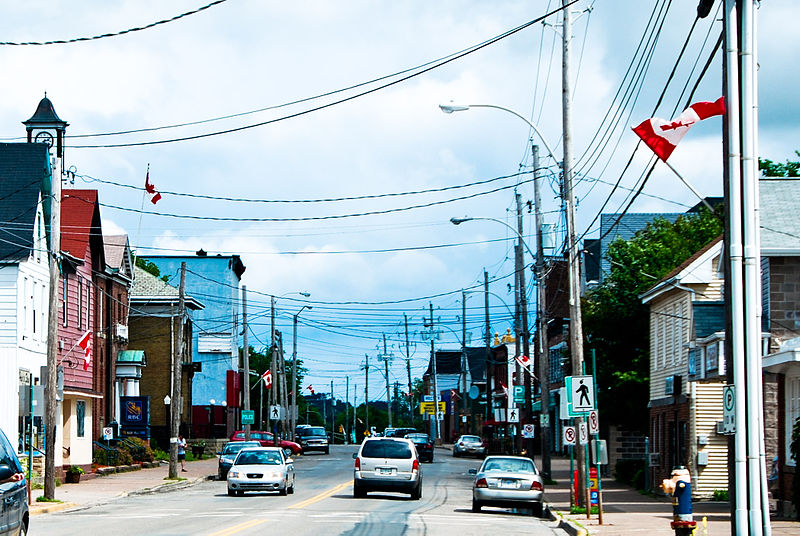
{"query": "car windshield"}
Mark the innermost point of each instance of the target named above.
(386, 448)
(509, 465)
(233, 448)
(259, 457)
(315, 432)
(470, 439)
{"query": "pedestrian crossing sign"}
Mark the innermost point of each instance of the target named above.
(580, 394)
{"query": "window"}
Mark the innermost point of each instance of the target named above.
(80, 303)
(65, 285)
(100, 302)
(386, 448)
(80, 416)
(39, 245)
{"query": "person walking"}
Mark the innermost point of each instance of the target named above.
(182, 452)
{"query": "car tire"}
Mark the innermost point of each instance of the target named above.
(291, 489)
(416, 493)
(358, 491)
(239, 493)
(328, 450)
(536, 510)
(455, 454)
(285, 489)
(231, 493)
(476, 506)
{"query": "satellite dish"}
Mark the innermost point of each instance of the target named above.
(474, 392)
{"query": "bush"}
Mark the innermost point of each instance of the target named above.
(137, 450)
(631, 472)
(159, 454)
(124, 456)
(720, 495)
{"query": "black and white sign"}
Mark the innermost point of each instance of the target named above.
(513, 415)
(594, 422)
(108, 433)
(569, 435)
(582, 393)
(728, 405)
(275, 413)
(583, 433)
(528, 431)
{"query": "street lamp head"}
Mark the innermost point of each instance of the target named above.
(305, 294)
(453, 107)
(459, 221)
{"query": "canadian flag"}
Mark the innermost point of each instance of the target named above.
(310, 388)
(151, 191)
(526, 363)
(663, 136)
(267, 377)
(85, 343)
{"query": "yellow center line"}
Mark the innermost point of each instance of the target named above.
(240, 527)
(321, 496)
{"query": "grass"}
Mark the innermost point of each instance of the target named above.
(581, 510)
(176, 479)
(550, 482)
(42, 498)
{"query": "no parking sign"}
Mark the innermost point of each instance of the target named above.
(569, 435)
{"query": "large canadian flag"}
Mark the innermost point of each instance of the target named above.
(663, 136)
(85, 343)
(267, 377)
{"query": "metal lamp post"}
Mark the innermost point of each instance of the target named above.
(293, 409)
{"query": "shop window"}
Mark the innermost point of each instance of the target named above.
(80, 415)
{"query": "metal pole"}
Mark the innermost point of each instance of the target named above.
(576, 331)
(526, 349)
(488, 340)
(176, 403)
(333, 421)
(346, 407)
(51, 389)
(388, 393)
(246, 361)
(597, 438)
(294, 376)
(366, 393)
(436, 436)
(518, 447)
(408, 370)
(542, 354)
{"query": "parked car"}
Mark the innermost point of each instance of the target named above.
(424, 446)
(387, 464)
(14, 493)
(299, 428)
(509, 482)
(398, 432)
(469, 445)
(261, 469)
(228, 454)
(266, 439)
(314, 438)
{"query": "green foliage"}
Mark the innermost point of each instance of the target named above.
(720, 495)
(776, 169)
(582, 510)
(160, 455)
(631, 472)
(148, 266)
(42, 498)
(617, 323)
(135, 450)
(795, 450)
(75, 470)
(124, 457)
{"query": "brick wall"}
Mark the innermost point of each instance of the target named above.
(661, 418)
(624, 444)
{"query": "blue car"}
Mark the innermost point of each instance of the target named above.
(14, 493)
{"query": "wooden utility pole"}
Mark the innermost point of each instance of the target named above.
(177, 391)
(366, 392)
(272, 348)
(488, 340)
(388, 391)
(523, 304)
(246, 361)
(408, 370)
(284, 398)
(346, 407)
(464, 362)
(51, 387)
(436, 437)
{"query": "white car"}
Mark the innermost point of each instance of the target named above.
(387, 464)
(261, 469)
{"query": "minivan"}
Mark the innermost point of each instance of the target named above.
(14, 518)
(387, 464)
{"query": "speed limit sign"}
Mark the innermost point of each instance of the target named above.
(569, 435)
(594, 423)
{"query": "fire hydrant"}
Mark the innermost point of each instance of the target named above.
(680, 487)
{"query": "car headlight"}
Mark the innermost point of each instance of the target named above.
(274, 474)
(234, 474)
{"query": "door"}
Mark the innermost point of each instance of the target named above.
(14, 494)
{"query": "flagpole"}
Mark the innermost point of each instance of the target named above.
(141, 211)
(695, 192)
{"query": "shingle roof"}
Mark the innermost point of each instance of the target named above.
(45, 113)
(77, 217)
(780, 206)
(147, 285)
(23, 168)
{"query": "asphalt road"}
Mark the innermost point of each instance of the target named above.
(322, 505)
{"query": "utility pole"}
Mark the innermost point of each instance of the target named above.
(518, 335)
(488, 340)
(542, 354)
(464, 363)
(177, 391)
(272, 390)
(51, 387)
(346, 407)
(408, 370)
(333, 421)
(526, 349)
(436, 437)
(576, 328)
(355, 406)
(284, 398)
(388, 392)
(366, 392)
(246, 361)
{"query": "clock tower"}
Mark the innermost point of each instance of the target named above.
(46, 127)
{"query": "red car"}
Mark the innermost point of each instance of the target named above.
(267, 440)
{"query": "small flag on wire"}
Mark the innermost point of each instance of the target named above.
(663, 136)
(267, 377)
(151, 191)
(85, 343)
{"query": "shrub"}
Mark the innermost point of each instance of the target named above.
(159, 454)
(124, 456)
(137, 450)
(720, 495)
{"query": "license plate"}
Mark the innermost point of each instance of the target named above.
(509, 484)
(385, 471)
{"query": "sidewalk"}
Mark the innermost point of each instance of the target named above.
(103, 489)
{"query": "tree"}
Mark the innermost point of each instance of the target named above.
(616, 322)
(775, 169)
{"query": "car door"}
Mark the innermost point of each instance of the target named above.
(14, 494)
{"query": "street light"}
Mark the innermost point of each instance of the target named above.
(459, 221)
(294, 366)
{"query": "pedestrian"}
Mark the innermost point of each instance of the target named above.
(182, 452)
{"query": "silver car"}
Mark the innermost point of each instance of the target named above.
(509, 482)
(469, 445)
(261, 469)
(387, 464)
(228, 454)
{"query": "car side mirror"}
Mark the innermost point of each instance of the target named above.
(473, 471)
(219, 453)
(355, 455)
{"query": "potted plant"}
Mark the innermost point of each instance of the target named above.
(198, 449)
(73, 475)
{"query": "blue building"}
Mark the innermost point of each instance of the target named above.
(214, 280)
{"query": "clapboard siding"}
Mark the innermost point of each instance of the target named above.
(71, 354)
(8, 305)
(708, 412)
(670, 318)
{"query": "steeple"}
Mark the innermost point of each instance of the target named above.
(45, 126)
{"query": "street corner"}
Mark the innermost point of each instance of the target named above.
(39, 508)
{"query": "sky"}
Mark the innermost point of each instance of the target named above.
(251, 61)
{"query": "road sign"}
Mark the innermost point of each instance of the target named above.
(429, 408)
(544, 418)
(440, 415)
(569, 435)
(275, 412)
(594, 422)
(513, 415)
(108, 433)
(528, 431)
(248, 416)
(564, 410)
(580, 393)
(519, 394)
(583, 433)
(728, 404)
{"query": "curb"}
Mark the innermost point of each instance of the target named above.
(566, 524)
(50, 508)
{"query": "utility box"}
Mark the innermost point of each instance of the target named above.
(702, 458)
